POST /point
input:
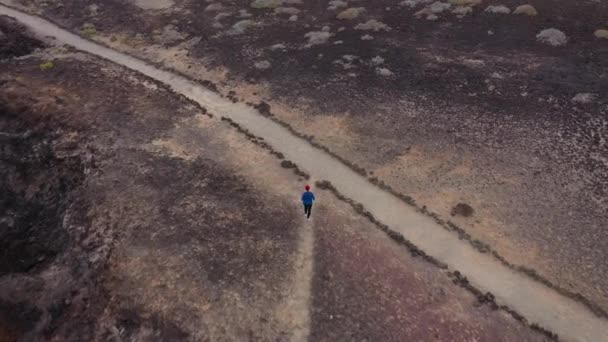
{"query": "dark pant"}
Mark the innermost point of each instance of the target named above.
(307, 209)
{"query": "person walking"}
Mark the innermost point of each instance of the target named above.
(307, 199)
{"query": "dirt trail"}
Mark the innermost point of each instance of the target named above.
(296, 308)
(539, 304)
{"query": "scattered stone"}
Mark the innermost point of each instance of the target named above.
(293, 18)
(261, 4)
(214, 7)
(243, 13)
(262, 65)
(583, 98)
(338, 42)
(278, 47)
(169, 35)
(497, 75)
(373, 25)
(413, 3)
(439, 7)
(240, 27)
(340, 29)
(349, 58)
(552, 36)
(465, 2)
(367, 37)
(345, 65)
(192, 42)
(384, 72)
(294, 2)
(335, 4)
(461, 11)
(221, 16)
(318, 37)
(462, 209)
(351, 13)
(154, 4)
(500, 9)
(286, 10)
(377, 60)
(603, 34)
(526, 9)
(432, 10)
(93, 9)
(325, 29)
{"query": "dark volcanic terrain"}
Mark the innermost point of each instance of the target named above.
(128, 213)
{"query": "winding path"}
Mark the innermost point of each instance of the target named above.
(538, 303)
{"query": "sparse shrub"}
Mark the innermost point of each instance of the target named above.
(288, 164)
(89, 30)
(47, 65)
(462, 209)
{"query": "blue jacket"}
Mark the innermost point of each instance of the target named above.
(308, 197)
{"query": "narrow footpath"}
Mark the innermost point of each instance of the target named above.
(538, 303)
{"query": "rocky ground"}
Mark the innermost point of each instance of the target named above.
(130, 214)
(499, 105)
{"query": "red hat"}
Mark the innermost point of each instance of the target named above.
(307, 187)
